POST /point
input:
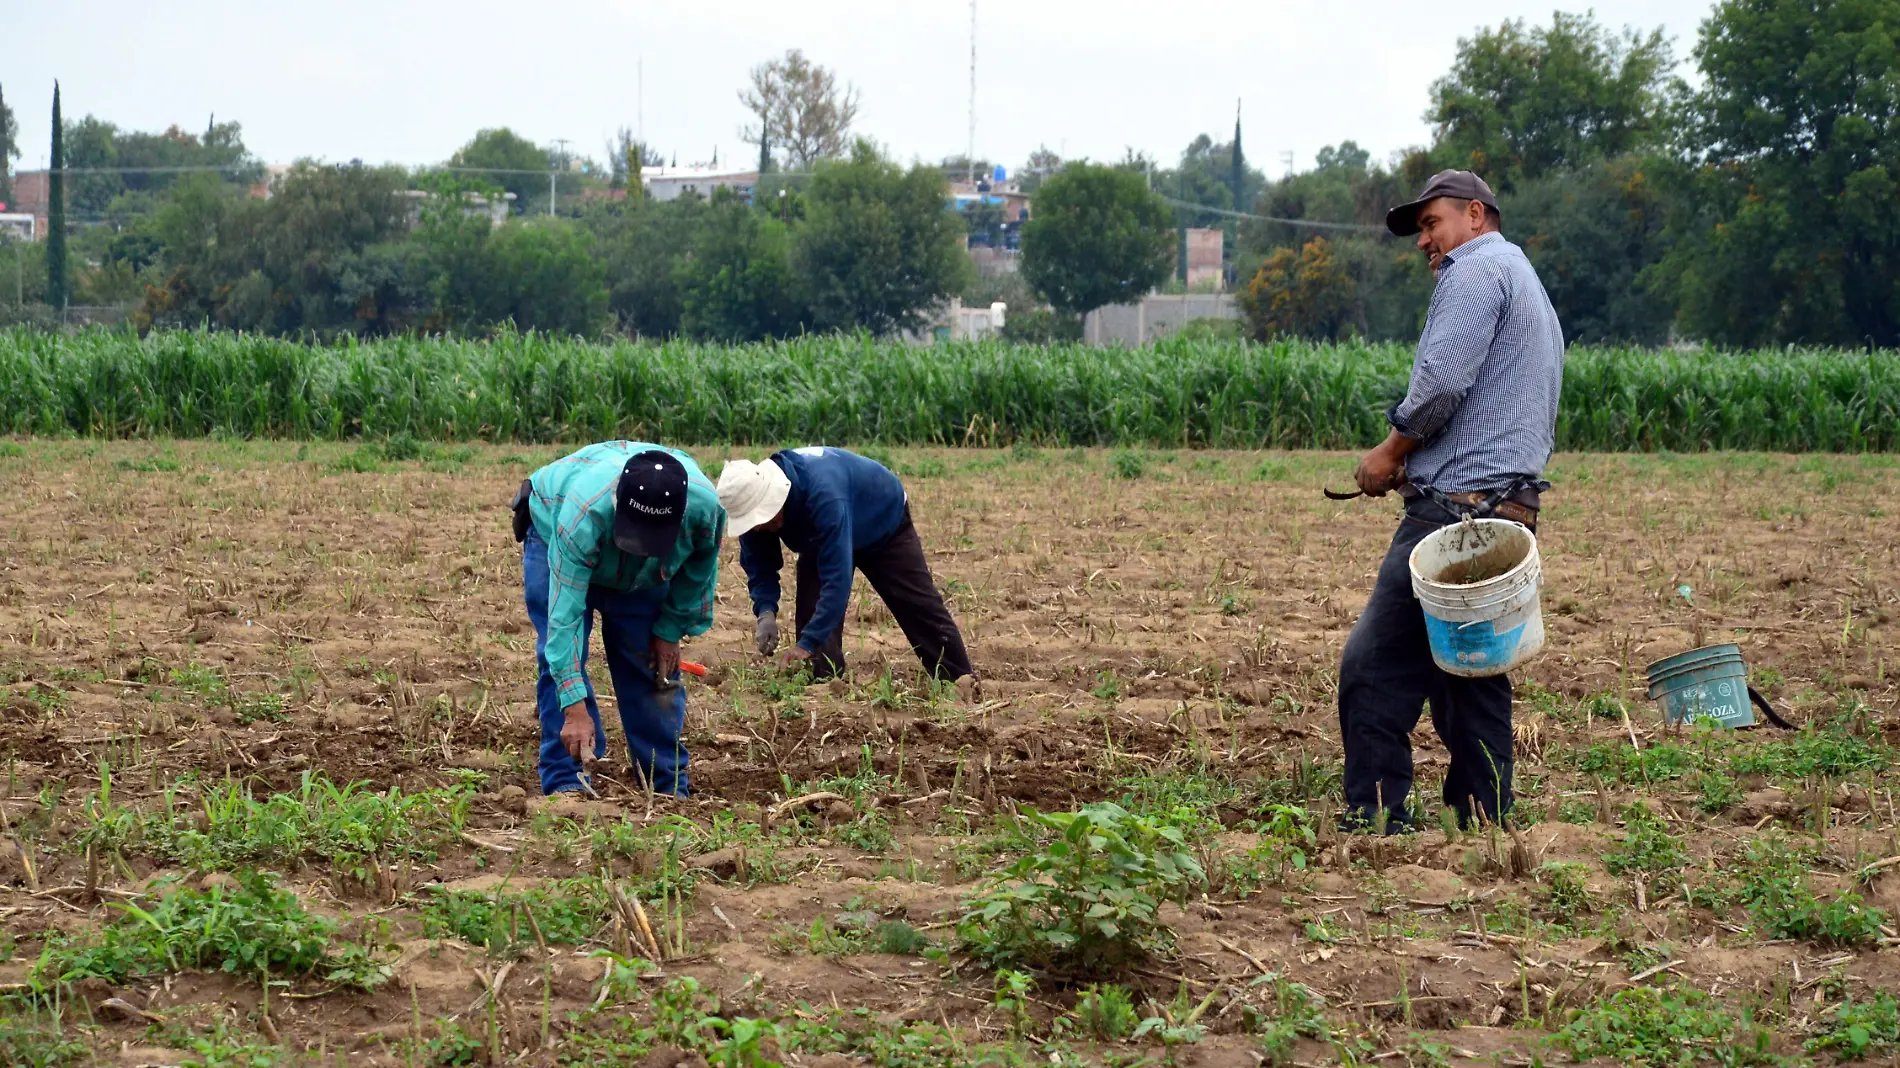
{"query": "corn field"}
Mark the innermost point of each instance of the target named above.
(1192, 393)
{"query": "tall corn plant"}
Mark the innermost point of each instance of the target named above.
(841, 389)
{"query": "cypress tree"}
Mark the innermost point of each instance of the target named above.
(56, 294)
(1237, 181)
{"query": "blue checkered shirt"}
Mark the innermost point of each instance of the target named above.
(1483, 399)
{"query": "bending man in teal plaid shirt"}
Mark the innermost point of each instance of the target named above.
(631, 531)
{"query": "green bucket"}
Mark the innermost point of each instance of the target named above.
(1709, 684)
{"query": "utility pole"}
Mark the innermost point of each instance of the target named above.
(969, 157)
(553, 172)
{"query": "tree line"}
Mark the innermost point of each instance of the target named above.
(1757, 205)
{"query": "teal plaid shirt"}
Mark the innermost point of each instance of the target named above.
(573, 510)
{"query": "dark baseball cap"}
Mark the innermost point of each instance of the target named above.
(1403, 220)
(650, 504)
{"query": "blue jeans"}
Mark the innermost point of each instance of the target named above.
(651, 717)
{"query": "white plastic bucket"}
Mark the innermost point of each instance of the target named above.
(1478, 582)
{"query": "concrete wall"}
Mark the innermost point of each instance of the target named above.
(1155, 317)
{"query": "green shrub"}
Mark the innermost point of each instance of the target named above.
(1089, 899)
(1129, 463)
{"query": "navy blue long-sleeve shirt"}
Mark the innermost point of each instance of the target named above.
(839, 503)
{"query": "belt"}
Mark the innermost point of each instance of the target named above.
(1520, 507)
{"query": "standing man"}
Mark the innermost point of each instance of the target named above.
(1470, 438)
(630, 531)
(839, 512)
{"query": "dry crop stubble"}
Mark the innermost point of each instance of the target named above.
(176, 614)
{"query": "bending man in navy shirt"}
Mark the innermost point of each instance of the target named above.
(841, 513)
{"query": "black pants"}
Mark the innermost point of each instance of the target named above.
(900, 575)
(1386, 677)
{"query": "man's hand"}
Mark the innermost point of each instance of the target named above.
(577, 734)
(794, 656)
(666, 658)
(765, 637)
(1380, 470)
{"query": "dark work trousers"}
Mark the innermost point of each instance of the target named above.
(901, 576)
(1385, 678)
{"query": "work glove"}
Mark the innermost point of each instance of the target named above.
(766, 636)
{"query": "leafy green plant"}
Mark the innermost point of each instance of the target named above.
(1856, 1030)
(1645, 1027)
(1106, 1011)
(454, 1048)
(1294, 1012)
(1089, 899)
(1776, 892)
(31, 1037)
(1129, 463)
(567, 913)
(1011, 999)
(1647, 847)
(1563, 890)
(899, 939)
(250, 928)
(1836, 750)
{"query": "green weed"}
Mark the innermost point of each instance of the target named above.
(1776, 892)
(1088, 900)
(1647, 847)
(1857, 1030)
(250, 928)
(1644, 1027)
(1106, 1012)
(1129, 463)
(569, 912)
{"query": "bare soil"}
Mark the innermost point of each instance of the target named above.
(1134, 637)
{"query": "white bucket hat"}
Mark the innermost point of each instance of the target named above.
(751, 494)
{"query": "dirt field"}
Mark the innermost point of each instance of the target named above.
(206, 643)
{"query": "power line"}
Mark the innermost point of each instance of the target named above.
(1315, 223)
(209, 168)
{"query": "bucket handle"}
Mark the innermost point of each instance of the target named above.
(1768, 711)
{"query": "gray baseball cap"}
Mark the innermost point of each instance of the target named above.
(1403, 220)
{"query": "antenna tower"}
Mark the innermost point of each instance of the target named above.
(969, 157)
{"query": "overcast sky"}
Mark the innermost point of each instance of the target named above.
(407, 81)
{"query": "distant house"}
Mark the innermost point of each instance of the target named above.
(1002, 208)
(1202, 269)
(263, 187)
(671, 183)
(29, 200)
(496, 208)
